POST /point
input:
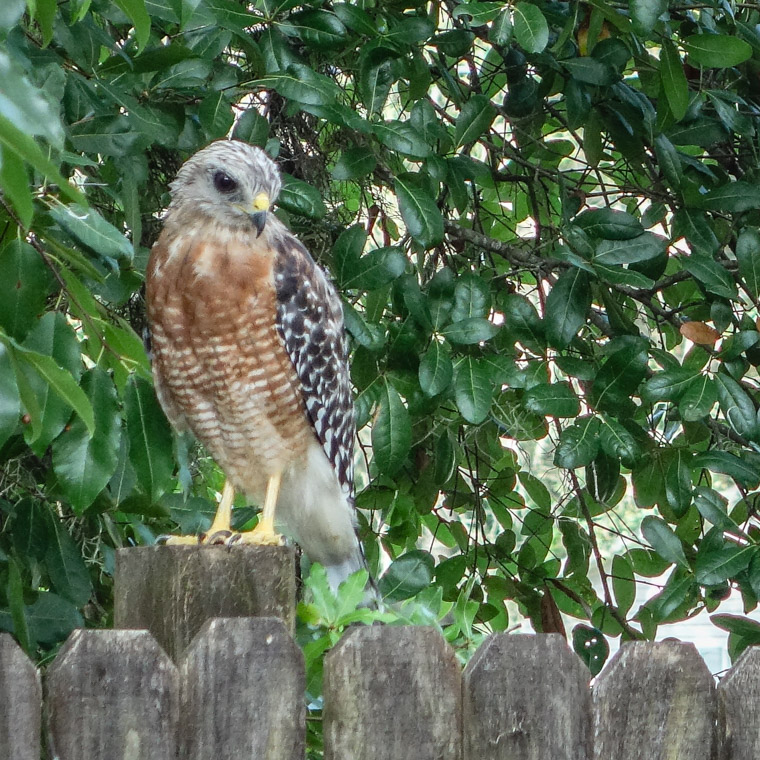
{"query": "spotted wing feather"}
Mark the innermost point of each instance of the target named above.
(310, 322)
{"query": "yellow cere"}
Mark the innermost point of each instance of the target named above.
(261, 202)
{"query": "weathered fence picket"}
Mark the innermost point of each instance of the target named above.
(242, 687)
(515, 686)
(655, 701)
(739, 709)
(173, 590)
(112, 694)
(20, 701)
(392, 692)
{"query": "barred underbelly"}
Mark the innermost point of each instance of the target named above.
(238, 396)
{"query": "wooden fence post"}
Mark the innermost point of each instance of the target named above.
(172, 590)
(20, 701)
(526, 698)
(655, 701)
(392, 692)
(242, 692)
(112, 694)
(738, 701)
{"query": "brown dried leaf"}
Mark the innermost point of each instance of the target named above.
(699, 332)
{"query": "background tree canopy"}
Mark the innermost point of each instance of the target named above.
(544, 218)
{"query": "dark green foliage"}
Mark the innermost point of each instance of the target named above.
(522, 206)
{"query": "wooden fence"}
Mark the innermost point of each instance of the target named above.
(390, 693)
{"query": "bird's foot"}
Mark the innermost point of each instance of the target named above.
(263, 534)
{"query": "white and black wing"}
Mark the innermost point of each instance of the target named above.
(310, 322)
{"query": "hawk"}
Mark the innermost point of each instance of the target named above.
(250, 355)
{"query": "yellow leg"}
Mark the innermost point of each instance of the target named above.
(223, 518)
(264, 532)
(220, 529)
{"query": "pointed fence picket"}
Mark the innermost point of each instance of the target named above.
(237, 691)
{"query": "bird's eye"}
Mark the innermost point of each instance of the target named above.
(224, 183)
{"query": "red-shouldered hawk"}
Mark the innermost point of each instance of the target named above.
(250, 354)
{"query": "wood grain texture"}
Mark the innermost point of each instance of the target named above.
(739, 709)
(513, 688)
(655, 701)
(173, 590)
(20, 702)
(242, 692)
(392, 692)
(112, 694)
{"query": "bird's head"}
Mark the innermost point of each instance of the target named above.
(230, 181)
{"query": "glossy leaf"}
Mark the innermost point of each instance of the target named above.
(436, 370)
(420, 213)
(473, 390)
(662, 539)
(530, 28)
(150, 440)
(566, 307)
(391, 431)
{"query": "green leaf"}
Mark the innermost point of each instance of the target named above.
(401, 136)
(252, 128)
(51, 618)
(355, 18)
(711, 274)
(299, 197)
(31, 528)
(354, 163)
(84, 464)
(716, 565)
(743, 472)
(10, 401)
(14, 183)
(420, 213)
(620, 374)
(530, 28)
(215, 114)
(479, 13)
(378, 268)
(717, 51)
(678, 482)
(346, 254)
(591, 646)
(609, 224)
(318, 29)
(667, 386)
(472, 298)
(436, 370)
(713, 507)
(662, 539)
(566, 307)
(623, 583)
(617, 441)
(138, 15)
(88, 227)
(748, 256)
(68, 573)
(644, 14)
(500, 32)
(733, 197)
(407, 576)
(668, 160)
(645, 247)
(302, 84)
(24, 287)
(475, 119)
(673, 80)
(150, 439)
(699, 399)
(391, 431)
(578, 444)
(555, 399)
(473, 390)
(470, 331)
(590, 71)
(736, 405)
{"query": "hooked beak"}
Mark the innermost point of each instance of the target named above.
(259, 219)
(258, 212)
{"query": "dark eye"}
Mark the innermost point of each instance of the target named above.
(224, 183)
